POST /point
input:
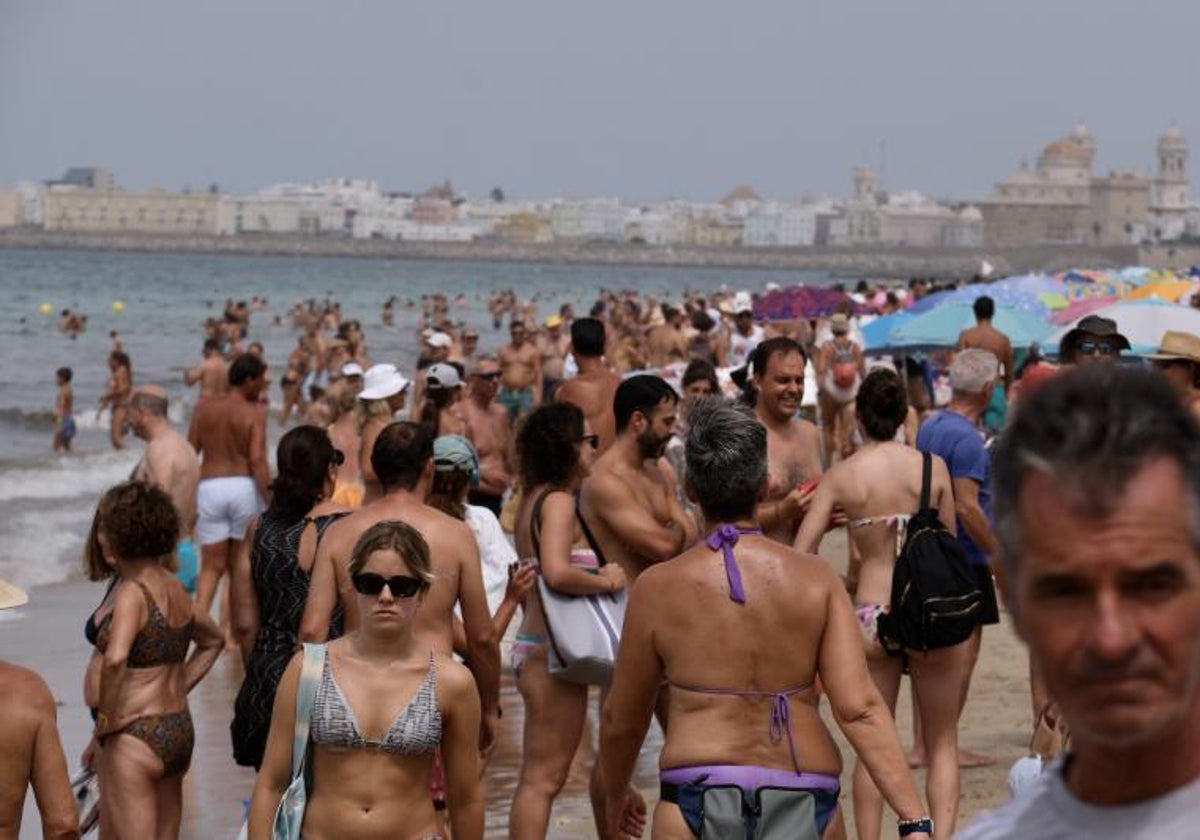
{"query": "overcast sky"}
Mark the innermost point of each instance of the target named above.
(640, 99)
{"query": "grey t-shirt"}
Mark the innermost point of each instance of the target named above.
(1049, 811)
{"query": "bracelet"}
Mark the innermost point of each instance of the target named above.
(924, 825)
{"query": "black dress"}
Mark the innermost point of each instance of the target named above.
(281, 587)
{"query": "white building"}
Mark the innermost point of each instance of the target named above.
(598, 218)
(782, 225)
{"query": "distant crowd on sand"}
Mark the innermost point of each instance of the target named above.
(641, 492)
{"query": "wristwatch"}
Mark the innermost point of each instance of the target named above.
(922, 826)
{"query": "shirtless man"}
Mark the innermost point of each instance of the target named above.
(229, 433)
(553, 345)
(520, 373)
(665, 340)
(629, 500)
(490, 432)
(169, 462)
(31, 753)
(403, 461)
(986, 337)
(594, 387)
(212, 373)
(793, 445)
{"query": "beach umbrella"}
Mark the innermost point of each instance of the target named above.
(1143, 322)
(941, 327)
(877, 335)
(928, 302)
(1169, 290)
(1078, 308)
(802, 302)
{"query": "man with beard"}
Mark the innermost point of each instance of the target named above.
(629, 500)
(793, 444)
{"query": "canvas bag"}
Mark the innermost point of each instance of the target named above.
(289, 816)
(936, 599)
(584, 630)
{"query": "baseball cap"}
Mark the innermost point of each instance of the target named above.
(352, 369)
(382, 381)
(442, 375)
(439, 339)
(455, 452)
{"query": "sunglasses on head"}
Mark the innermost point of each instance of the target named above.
(401, 586)
(591, 440)
(1092, 348)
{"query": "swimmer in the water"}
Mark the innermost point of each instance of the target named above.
(64, 404)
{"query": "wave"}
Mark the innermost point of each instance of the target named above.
(44, 546)
(42, 419)
(66, 477)
(24, 418)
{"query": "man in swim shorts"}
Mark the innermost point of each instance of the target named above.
(64, 405)
(229, 433)
(1096, 484)
(169, 462)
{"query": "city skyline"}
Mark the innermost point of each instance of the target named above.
(641, 103)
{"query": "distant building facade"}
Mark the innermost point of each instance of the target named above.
(96, 211)
(1060, 201)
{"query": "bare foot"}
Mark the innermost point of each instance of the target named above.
(966, 759)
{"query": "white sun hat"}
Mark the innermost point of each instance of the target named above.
(382, 381)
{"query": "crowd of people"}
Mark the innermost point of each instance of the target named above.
(646, 489)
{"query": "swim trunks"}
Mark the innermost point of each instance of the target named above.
(518, 403)
(225, 506)
(67, 430)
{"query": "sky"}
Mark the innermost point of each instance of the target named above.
(643, 100)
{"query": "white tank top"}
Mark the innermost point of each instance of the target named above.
(741, 346)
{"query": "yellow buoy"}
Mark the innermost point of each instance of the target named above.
(46, 309)
(118, 306)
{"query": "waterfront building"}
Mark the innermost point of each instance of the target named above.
(1170, 198)
(783, 226)
(591, 219)
(965, 230)
(84, 210)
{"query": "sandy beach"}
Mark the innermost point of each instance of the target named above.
(47, 636)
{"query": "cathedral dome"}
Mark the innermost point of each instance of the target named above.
(1066, 152)
(1173, 139)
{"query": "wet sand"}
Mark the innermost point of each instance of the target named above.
(47, 636)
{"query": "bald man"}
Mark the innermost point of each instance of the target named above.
(171, 463)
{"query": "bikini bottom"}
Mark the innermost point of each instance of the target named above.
(727, 800)
(170, 737)
(523, 645)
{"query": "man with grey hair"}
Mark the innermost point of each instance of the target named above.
(1097, 489)
(170, 463)
(955, 435)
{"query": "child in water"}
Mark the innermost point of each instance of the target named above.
(64, 420)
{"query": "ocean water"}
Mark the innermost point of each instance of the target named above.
(48, 499)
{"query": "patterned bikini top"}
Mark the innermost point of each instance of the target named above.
(158, 643)
(417, 730)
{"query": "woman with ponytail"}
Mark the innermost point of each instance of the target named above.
(271, 577)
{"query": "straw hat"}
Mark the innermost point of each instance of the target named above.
(1177, 345)
(11, 596)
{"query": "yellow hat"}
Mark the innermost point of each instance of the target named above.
(553, 321)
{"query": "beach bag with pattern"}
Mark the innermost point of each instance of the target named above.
(936, 599)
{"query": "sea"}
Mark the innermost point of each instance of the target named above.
(158, 303)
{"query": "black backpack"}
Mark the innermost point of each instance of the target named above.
(936, 599)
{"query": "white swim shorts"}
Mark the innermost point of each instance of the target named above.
(225, 507)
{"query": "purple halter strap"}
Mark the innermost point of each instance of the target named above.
(725, 538)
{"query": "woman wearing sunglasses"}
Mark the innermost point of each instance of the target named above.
(555, 451)
(271, 577)
(384, 704)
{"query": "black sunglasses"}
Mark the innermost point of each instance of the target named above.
(1091, 348)
(591, 440)
(401, 586)
(490, 377)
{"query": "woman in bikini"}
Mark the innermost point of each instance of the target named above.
(740, 628)
(116, 396)
(140, 674)
(879, 486)
(384, 704)
(555, 452)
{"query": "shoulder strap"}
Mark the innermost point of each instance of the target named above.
(587, 533)
(926, 478)
(146, 594)
(310, 677)
(535, 524)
